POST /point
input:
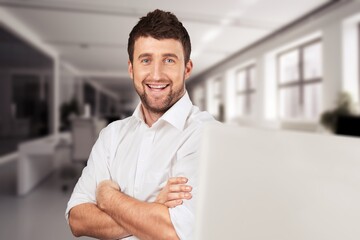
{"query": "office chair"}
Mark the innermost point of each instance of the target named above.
(83, 138)
(84, 133)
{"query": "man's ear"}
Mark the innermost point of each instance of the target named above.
(130, 69)
(188, 69)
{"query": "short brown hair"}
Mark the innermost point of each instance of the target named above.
(160, 25)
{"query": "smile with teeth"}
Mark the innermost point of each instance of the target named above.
(157, 86)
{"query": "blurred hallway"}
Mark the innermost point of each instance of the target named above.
(275, 64)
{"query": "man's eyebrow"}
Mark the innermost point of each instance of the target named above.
(170, 55)
(144, 55)
(163, 55)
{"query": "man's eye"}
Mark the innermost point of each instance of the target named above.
(145, 60)
(168, 60)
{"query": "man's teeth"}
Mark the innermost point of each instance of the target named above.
(157, 86)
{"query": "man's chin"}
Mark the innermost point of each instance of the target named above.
(159, 109)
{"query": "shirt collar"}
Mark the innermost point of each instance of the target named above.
(176, 115)
(138, 114)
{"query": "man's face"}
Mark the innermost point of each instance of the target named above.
(159, 72)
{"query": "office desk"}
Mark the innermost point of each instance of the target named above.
(36, 161)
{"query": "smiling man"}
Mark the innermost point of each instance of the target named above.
(140, 181)
(159, 71)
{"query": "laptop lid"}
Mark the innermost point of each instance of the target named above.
(265, 184)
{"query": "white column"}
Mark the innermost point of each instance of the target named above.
(56, 96)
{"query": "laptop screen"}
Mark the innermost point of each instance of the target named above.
(266, 184)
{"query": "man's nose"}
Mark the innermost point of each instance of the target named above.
(156, 72)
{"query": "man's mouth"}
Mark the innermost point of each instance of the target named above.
(157, 87)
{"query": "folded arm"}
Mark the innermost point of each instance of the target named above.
(141, 219)
(88, 219)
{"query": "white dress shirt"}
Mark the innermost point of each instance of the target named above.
(141, 159)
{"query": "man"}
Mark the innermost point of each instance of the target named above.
(139, 177)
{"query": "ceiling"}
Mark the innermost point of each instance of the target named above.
(91, 35)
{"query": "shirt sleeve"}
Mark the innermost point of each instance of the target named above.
(183, 216)
(95, 171)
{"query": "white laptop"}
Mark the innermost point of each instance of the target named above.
(258, 184)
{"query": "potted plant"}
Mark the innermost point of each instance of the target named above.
(344, 107)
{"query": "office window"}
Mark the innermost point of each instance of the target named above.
(199, 97)
(245, 90)
(218, 99)
(30, 103)
(90, 97)
(214, 98)
(357, 96)
(300, 81)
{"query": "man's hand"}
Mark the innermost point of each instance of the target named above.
(104, 192)
(174, 192)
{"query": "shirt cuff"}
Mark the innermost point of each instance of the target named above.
(76, 199)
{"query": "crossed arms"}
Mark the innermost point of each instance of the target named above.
(117, 215)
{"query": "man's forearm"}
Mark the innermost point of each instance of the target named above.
(88, 220)
(141, 219)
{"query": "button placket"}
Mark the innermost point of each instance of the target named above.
(145, 149)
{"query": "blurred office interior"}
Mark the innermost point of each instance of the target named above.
(279, 64)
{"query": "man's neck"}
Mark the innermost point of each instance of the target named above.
(150, 117)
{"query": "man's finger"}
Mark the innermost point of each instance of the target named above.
(173, 203)
(179, 196)
(177, 180)
(180, 188)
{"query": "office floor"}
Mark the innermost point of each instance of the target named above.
(37, 216)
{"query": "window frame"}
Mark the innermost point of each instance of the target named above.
(359, 61)
(249, 90)
(301, 83)
(218, 95)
